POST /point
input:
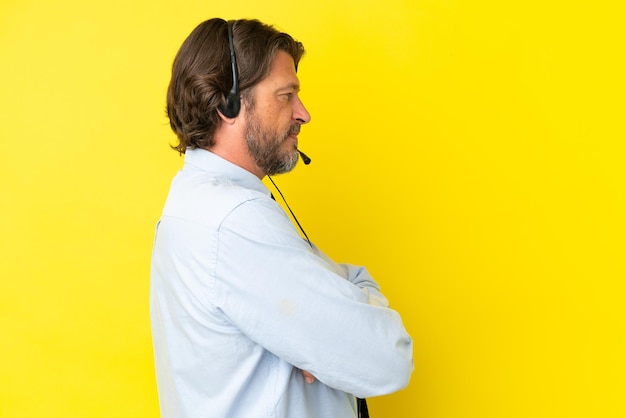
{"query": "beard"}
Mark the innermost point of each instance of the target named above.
(266, 146)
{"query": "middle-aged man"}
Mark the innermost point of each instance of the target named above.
(249, 319)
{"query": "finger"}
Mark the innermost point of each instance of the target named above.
(308, 377)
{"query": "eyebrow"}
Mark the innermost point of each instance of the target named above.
(290, 86)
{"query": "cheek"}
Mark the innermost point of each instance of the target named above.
(276, 116)
(287, 116)
(280, 121)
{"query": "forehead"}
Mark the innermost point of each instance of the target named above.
(282, 73)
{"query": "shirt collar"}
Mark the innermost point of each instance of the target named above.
(207, 161)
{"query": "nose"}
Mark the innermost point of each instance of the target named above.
(300, 114)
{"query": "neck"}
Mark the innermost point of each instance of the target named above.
(238, 156)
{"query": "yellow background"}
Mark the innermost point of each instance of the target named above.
(470, 153)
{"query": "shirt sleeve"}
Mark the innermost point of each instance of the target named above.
(329, 319)
(358, 276)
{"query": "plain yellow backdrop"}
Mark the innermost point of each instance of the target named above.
(470, 153)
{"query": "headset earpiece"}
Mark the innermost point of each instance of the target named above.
(231, 107)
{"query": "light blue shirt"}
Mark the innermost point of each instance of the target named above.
(240, 304)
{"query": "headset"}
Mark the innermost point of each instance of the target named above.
(230, 108)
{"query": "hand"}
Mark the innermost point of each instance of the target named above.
(308, 377)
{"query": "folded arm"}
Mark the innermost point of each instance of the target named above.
(326, 318)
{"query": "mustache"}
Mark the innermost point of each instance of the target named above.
(293, 130)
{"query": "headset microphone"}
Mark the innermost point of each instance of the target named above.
(306, 160)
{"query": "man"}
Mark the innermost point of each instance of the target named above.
(249, 319)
